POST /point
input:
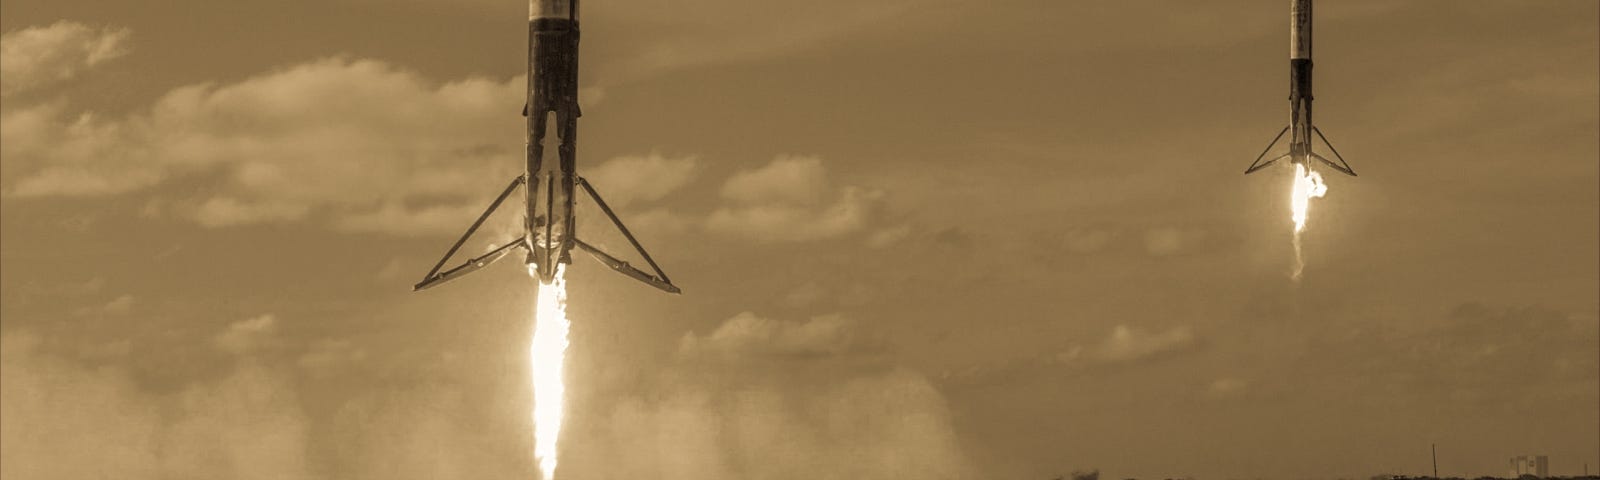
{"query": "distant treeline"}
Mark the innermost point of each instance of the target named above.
(1524, 477)
(1095, 475)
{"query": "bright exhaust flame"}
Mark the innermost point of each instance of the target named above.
(547, 358)
(1307, 185)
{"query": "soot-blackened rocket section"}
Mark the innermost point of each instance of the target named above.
(552, 182)
(552, 103)
(1300, 128)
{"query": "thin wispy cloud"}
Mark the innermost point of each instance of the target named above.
(36, 57)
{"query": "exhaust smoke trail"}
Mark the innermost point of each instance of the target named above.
(547, 360)
(1307, 185)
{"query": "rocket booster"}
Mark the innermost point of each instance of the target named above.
(1299, 80)
(1300, 128)
(551, 178)
(552, 107)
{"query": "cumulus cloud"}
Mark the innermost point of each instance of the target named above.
(655, 220)
(364, 146)
(789, 200)
(35, 57)
(117, 306)
(1126, 344)
(360, 145)
(374, 147)
(248, 335)
(226, 211)
(888, 236)
(749, 334)
(394, 217)
(788, 179)
(120, 305)
(628, 179)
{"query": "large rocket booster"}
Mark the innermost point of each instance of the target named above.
(552, 104)
(1300, 128)
(551, 178)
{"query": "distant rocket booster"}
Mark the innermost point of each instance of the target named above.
(552, 105)
(1300, 127)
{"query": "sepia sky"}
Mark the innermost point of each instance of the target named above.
(917, 239)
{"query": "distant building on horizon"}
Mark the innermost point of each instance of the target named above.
(1536, 465)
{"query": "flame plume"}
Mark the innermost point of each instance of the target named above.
(547, 359)
(1307, 185)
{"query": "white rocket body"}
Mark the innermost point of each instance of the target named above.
(551, 9)
(1300, 29)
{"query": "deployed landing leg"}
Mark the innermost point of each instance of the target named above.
(1342, 167)
(659, 280)
(434, 277)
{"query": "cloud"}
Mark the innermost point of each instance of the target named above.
(248, 424)
(261, 416)
(1086, 240)
(117, 306)
(710, 32)
(804, 295)
(1166, 241)
(59, 419)
(226, 211)
(882, 425)
(328, 356)
(628, 179)
(655, 220)
(815, 294)
(431, 432)
(749, 335)
(786, 201)
(394, 217)
(888, 236)
(360, 145)
(248, 335)
(590, 96)
(788, 179)
(1127, 345)
(121, 305)
(365, 145)
(36, 57)
(716, 411)
(663, 37)
(1127, 240)
(1226, 387)
(1466, 357)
